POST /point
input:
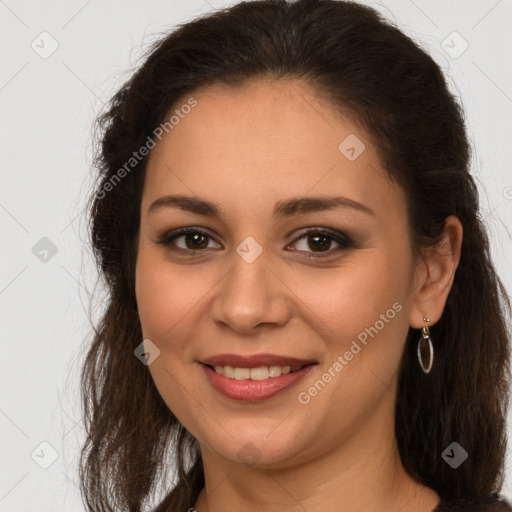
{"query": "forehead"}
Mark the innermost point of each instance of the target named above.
(261, 142)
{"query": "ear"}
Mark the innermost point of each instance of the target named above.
(434, 276)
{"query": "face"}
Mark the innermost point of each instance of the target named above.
(326, 285)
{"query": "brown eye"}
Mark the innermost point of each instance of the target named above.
(194, 240)
(320, 241)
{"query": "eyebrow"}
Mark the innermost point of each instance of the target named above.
(285, 208)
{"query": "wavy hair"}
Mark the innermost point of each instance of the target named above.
(367, 68)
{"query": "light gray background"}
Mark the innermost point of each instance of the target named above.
(47, 107)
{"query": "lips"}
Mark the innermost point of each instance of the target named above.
(253, 391)
(254, 361)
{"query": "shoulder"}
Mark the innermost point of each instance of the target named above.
(495, 503)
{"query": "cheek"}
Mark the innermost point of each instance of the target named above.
(166, 298)
(354, 294)
(166, 294)
(360, 313)
(359, 309)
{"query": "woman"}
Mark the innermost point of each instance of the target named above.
(303, 309)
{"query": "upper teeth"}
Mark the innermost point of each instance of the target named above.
(260, 373)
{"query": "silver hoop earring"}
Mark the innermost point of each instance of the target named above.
(425, 349)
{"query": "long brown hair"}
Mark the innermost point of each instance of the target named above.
(369, 69)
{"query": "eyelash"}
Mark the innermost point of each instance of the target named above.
(340, 238)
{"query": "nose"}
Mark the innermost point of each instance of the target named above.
(251, 297)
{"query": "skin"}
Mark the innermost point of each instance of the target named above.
(245, 149)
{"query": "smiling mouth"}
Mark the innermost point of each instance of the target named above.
(255, 384)
(259, 373)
